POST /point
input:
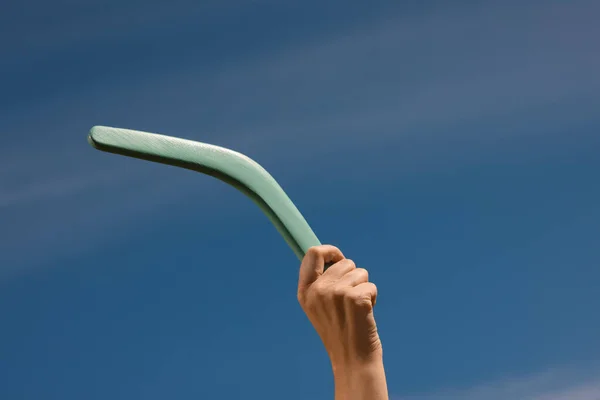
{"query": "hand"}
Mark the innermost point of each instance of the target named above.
(339, 303)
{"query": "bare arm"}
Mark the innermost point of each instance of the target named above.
(339, 303)
(361, 382)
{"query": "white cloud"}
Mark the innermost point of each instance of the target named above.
(554, 384)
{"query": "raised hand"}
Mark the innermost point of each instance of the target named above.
(339, 303)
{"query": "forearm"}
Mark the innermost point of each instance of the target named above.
(365, 381)
(339, 303)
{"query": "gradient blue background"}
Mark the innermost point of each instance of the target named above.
(452, 148)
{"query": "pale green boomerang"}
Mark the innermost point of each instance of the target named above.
(229, 166)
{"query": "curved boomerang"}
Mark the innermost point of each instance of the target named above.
(229, 166)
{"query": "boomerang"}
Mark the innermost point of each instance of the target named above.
(227, 165)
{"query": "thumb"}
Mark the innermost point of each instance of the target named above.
(314, 262)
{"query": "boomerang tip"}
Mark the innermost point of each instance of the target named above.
(91, 137)
(96, 135)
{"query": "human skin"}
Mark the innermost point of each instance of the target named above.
(339, 303)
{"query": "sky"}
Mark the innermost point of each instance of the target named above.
(451, 148)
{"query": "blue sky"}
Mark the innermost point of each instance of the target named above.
(451, 149)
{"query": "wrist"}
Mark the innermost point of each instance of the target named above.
(345, 360)
(346, 367)
(362, 379)
(355, 360)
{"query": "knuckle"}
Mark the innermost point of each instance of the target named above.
(363, 273)
(354, 296)
(330, 248)
(322, 251)
(314, 251)
(350, 263)
(320, 290)
(373, 288)
(340, 291)
(359, 299)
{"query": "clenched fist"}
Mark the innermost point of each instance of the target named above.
(339, 303)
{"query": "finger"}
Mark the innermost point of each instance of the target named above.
(339, 269)
(354, 277)
(364, 294)
(314, 262)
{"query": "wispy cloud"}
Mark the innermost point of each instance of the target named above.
(459, 79)
(555, 384)
(94, 21)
